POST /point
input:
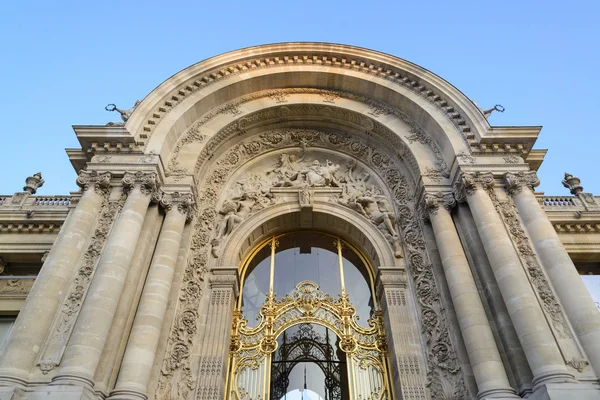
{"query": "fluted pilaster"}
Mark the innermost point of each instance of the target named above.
(408, 367)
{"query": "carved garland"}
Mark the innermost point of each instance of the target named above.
(63, 325)
(508, 212)
(384, 71)
(445, 375)
(376, 109)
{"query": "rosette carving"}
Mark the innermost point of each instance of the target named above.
(182, 202)
(515, 182)
(99, 182)
(147, 182)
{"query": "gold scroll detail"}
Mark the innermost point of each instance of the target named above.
(251, 348)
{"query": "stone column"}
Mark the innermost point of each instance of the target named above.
(482, 349)
(408, 366)
(540, 347)
(95, 319)
(216, 339)
(123, 321)
(22, 346)
(149, 320)
(574, 296)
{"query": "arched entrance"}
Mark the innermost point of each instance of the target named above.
(347, 359)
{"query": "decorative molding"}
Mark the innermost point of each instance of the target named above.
(386, 72)
(30, 228)
(417, 134)
(516, 181)
(99, 182)
(18, 287)
(56, 343)
(583, 227)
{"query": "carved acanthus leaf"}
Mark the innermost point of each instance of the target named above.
(147, 182)
(432, 202)
(516, 181)
(99, 182)
(182, 202)
(467, 183)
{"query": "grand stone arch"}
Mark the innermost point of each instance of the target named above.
(139, 294)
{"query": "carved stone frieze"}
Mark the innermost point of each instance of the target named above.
(99, 182)
(52, 352)
(467, 183)
(416, 134)
(147, 182)
(18, 287)
(508, 211)
(182, 202)
(516, 181)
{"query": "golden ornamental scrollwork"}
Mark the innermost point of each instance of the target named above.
(252, 348)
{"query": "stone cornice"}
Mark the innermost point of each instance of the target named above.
(34, 227)
(412, 78)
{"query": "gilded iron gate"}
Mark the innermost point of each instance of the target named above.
(252, 348)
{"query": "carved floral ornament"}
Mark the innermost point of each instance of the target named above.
(178, 375)
(516, 181)
(182, 202)
(97, 181)
(434, 168)
(433, 202)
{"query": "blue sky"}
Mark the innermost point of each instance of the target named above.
(63, 61)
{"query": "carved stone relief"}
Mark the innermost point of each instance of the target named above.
(396, 76)
(438, 171)
(507, 210)
(55, 345)
(446, 380)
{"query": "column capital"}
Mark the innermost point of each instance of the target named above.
(182, 202)
(516, 181)
(468, 183)
(224, 278)
(147, 182)
(99, 182)
(390, 277)
(433, 201)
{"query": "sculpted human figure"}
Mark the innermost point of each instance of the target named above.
(235, 211)
(287, 173)
(321, 176)
(378, 209)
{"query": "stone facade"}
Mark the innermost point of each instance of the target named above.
(476, 274)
